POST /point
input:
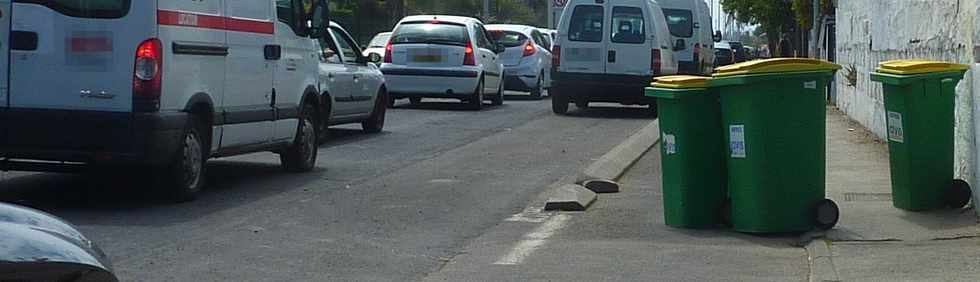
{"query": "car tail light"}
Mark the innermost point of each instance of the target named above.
(529, 49)
(655, 63)
(148, 75)
(388, 49)
(555, 57)
(469, 59)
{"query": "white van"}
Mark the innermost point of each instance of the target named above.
(689, 23)
(609, 51)
(159, 84)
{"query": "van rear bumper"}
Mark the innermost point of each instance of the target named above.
(89, 137)
(613, 88)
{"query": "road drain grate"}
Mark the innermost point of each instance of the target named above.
(867, 197)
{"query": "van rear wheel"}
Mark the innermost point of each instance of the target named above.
(559, 102)
(301, 155)
(184, 177)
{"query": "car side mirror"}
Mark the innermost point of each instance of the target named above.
(717, 36)
(680, 45)
(374, 58)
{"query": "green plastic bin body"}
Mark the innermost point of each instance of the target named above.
(774, 126)
(692, 156)
(919, 114)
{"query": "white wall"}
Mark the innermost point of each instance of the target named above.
(871, 31)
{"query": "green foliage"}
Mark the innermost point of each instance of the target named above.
(804, 11)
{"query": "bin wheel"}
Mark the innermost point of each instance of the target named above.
(826, 214)
(958, 194)
(725, 213)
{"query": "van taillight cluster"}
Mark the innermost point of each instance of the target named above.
(148, 75)
(655, 61)
(529, 49)
(555, 57)
(469, 59)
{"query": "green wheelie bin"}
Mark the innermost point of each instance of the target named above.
(919, 104)
(774, 126)
(692, 153)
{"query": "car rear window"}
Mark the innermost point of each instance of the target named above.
(680, 22)
(508, 38)
(102, 9)
(628, 25)
(586, 24)
(430, 32)
(379, 40)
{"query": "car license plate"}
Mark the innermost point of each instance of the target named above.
(428, 58)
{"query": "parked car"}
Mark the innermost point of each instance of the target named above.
(739, 50)
(595, 62)
(36, 246)
(724, 54)
(377, 44)
(350, 83)
(551, 33)
(160, 84)
(689, 23)
(443, 57)
(527, 58)
(750, 53)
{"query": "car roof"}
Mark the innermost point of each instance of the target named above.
(511, 27)
(444, 18)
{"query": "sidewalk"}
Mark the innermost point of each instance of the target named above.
(622, 237)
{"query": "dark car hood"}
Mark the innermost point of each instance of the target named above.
(33, 243)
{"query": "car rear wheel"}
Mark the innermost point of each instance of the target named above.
(184, 178)
(476, 101)
(499, 99)
(536, 91)
(301, 155)
(376, 122)
(415, 100)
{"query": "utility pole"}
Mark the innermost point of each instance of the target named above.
(486, 10)
(815, 29)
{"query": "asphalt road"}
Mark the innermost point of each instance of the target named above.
(391, 206)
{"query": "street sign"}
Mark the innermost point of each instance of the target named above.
(560, 3)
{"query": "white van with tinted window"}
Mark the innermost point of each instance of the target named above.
(162, 85)
(609, 51)
(689, 23)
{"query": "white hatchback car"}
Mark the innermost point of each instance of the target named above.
(443, 57)
(527, 59)
(377, 44)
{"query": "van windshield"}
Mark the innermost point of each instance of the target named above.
(680, 22)
(430, 32)
(103, 9)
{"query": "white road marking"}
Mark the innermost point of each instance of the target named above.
(532, 214)
(534, 240)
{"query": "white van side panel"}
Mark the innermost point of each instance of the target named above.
(185, 74)
(293, 74)
(79, 63)
(668, 59)
(247, 99)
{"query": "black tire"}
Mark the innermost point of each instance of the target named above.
(958, 194)
(184, 178)
(825, 214)
(476, 101)
(536, 92)
(376, 122)
(415, 100)
(582, 104)
(301, 155)
(499, 99)
(725, 213)
(559, 103)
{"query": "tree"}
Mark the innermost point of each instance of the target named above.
(773, 16)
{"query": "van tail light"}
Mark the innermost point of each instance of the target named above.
(148, 76)
(655, 63)
(529, 49)
(697, 53)
(469, 59)
(388, 49)
(555, 57)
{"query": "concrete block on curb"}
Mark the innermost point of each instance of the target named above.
(570, 197)
(601, 186)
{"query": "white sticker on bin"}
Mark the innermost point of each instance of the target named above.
(670, 144)
(737, 141)
(896, 132)
(810, 85)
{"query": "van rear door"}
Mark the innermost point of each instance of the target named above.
(4, 51)
(76, 54)
(631, 43)
(584, 50)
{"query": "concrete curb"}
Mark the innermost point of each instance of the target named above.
(821, 261)
(613, 164)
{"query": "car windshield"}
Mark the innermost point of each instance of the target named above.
(680, 22)
(379, 41)
(430, 32)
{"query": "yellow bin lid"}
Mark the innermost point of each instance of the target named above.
(681, 81)
(776, 65)
(918, 66)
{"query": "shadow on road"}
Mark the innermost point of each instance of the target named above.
(447, 105)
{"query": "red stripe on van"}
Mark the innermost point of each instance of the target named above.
(175, 18)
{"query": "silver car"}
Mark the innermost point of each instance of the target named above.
(527, 58)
